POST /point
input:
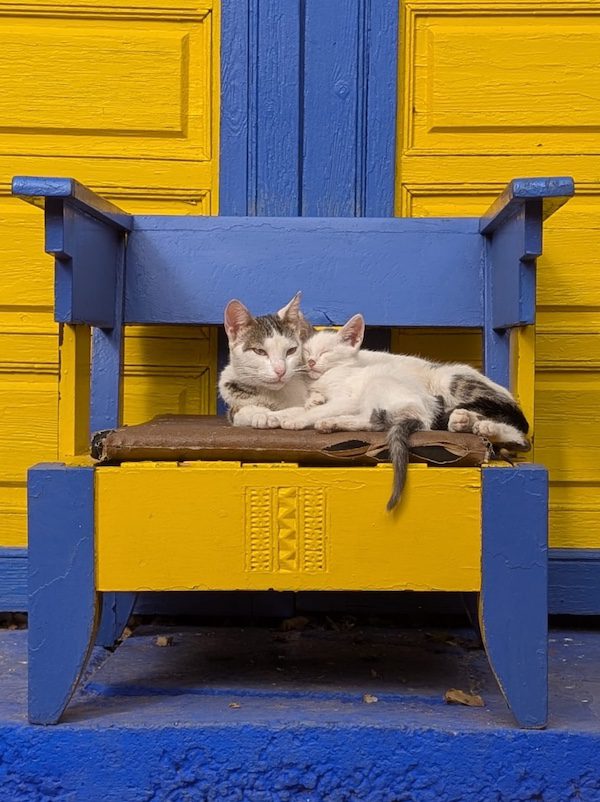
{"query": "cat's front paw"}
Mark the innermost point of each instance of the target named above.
(327, 425)
(243, 417)
(315, 399)
(260, 420)
(293, 422)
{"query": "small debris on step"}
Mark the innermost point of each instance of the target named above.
(163, 640)
(234, 705)
(295, 624)
(370, 699)
(454, 696)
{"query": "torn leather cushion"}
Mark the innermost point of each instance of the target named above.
(179, 438)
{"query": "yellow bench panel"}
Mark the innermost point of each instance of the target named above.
(226, 526)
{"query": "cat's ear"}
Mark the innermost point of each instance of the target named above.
(291, 314)
(353, 331)
(236, 318)
(291, 311)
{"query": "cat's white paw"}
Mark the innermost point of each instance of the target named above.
(260, 420)
(294, 423)
(315, 399)
(498, 433)
(460, 420)
(273, 421)
(485, 428)
(326, 425)
(242, 417)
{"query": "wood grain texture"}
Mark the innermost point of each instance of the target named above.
(234, 101)
(308, 107)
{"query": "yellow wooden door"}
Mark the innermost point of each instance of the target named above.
(125, 98)
(490, 91)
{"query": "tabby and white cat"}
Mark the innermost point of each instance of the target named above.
(265, 370)
(356, 389)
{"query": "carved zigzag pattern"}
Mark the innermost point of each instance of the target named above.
(285, 529)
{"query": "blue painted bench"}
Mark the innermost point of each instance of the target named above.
(96, 531)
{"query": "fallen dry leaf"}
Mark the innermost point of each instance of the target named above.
(454, 696)
(370, 699)
(297, 623)
(234, 705)
(164, 640)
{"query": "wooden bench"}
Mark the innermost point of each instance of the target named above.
(97, 530)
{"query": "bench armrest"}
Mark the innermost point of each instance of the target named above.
(37, 190)
(552, 192)
(513, 228)
(86, 235)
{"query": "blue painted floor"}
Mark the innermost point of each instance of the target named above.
(259, 715)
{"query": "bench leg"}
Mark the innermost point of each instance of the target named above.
(63, 604)
(514, 593)
(116, 611)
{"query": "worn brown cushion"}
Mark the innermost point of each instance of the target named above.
(179, 438)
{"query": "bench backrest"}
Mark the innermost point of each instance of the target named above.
(397, 272)
(113, 268)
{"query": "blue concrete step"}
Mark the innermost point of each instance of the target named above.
(258, 715)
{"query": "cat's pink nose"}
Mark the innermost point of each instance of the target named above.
(311, 363)
(279, 370)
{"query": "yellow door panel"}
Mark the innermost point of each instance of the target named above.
(568, 428)
(28, 412)
(136, 86)
(574, 515)
(283, 527)
(29, 419)
(500, 79)
(569, 275)
(169, 370)
(26, 274)
(13, 514)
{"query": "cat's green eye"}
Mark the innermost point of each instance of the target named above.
(292, 350)
(260, 351)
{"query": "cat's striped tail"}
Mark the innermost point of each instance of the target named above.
(398, 433)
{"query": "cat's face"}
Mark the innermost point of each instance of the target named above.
(329, 349)
(266, 351)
